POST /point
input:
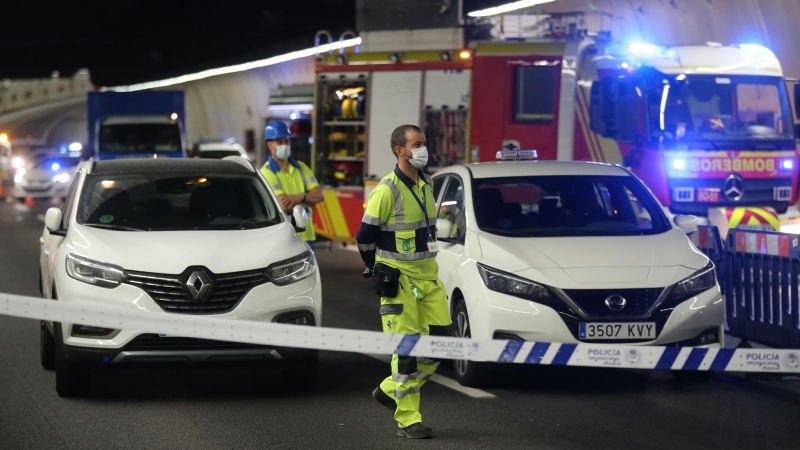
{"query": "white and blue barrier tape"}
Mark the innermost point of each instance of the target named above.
(335, 339)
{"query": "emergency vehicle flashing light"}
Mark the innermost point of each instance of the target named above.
(516, 155)
(756, 51)
(787, 164)
(679, 164)
(75, 147)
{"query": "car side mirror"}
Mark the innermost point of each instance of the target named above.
(52, 219)
(686, 223)
(299, 218)
(443, 228)
(603, 106)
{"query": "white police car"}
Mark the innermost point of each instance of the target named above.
(556, 251)
(175, 236)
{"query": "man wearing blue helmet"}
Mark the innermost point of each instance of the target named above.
(292, 181)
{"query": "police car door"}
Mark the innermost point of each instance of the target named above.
(451, 227)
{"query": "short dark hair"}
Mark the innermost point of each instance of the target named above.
(399, 138)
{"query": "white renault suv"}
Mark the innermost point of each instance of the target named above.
(553, 251)
(175, 236)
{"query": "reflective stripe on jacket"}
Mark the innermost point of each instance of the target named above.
(393, 229)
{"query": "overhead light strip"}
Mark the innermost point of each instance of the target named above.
(236, 68)
(508, 7)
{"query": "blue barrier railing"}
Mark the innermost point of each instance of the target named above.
(758, 274)
(761, 287)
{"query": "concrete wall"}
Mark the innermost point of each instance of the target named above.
(772, 23)
(19, 94)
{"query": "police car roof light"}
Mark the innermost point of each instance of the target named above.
(516, 155)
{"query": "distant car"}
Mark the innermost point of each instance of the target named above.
(558, 251)
(175, 236)
(45, 176)
(219, 150)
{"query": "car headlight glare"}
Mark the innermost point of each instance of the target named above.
(292, 270)
(61, 178)
(702, 280)
(18, 177)
(93, 272)
(512, 285)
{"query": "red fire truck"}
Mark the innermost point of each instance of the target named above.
(709, 128)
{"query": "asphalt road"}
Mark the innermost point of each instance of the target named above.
(211, 408)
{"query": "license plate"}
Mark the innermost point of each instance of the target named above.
(705, 195)
(621, 330)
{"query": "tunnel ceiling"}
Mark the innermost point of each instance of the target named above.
(128, 41)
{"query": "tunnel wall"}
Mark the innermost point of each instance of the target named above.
(772, 23)
(229, 105)
(20, 94)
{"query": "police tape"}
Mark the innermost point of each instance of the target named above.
(335, 339)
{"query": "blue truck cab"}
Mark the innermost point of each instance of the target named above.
(142, 124)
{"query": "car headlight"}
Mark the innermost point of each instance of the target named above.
(93, 272)
(61, 178)
(512, 285)
(292, 270)
(18, 176)
(17, 162)
(702, 280)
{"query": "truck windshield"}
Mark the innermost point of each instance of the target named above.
(720, 111)
(140, 138)
(550, 206)
(176, 201)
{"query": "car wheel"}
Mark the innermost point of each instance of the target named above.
(692, 376)
(304, 379)
(70, 381)
(468, 373)
(47, 347)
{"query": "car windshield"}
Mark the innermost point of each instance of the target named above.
(140, 138)
(176, 201)
(218, 154)
(550, 206)
(719, 110)
(57, 164)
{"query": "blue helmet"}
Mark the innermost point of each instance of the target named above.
(276, 130)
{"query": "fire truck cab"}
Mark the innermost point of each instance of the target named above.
(703, 126)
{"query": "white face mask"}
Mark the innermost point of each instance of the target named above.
(419, 157)
(283, 152)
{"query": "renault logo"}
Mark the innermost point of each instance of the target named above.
(733, 188)
(198, 284)
(616, 302)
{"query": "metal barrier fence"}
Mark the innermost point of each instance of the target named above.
(758, 274)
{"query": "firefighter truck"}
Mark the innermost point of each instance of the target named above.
(709, 128)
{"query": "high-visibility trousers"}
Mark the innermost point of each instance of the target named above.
(419, 305)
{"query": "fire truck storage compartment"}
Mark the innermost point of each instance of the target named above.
(341, 129)
(446, 100)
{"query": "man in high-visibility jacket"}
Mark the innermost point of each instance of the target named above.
(398, 235)
(292, 181)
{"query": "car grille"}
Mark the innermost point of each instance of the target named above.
(637, 301)
(171, 294)
(154, 342)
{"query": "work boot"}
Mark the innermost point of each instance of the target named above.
(384, 399)
(415, 431)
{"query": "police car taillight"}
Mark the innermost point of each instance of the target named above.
(517, 155)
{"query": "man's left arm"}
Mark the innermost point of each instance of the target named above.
(313, 194)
